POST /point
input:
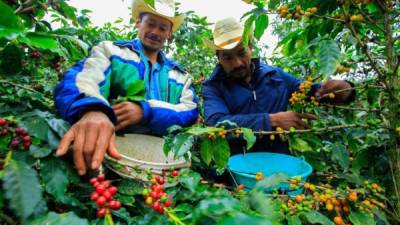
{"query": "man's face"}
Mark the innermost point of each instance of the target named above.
(236, 62)
(153, 31)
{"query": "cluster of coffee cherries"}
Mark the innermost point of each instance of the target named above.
(337, 202)
(155, 196)
(296, 13)
(21, 138)
(104, 195)
(301, 95)
(214, 135)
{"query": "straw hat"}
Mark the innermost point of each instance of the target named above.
(162, 8)
(228, 33)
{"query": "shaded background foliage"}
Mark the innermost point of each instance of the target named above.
(38, 188)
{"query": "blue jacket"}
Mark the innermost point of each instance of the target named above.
(249, 105)
(107, 73)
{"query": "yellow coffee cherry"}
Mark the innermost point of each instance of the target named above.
(357, 18)
(149, 200)
(279, 129)
(331, 95)
(329, 206)
(259, 176)
(272, 137)
(299, 198)
(313, 10)
(353, 196)
(338, 220)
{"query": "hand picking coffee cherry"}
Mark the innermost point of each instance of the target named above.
(104, 195)
(155, 195)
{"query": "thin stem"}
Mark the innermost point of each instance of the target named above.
(109, 219)
(349, 108)
(329, 18)
(173, 217)
(319, 130)
(24, 87)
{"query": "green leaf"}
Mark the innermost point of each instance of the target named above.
(189, 179)
(150, 2)
(218, 206)
(134, 88)
(135, 98)
(8, 17)
(206, 150)
(328, 57)
(361, 218)
(381, 216)
(36, 126)
(40, 40)
(225, 123)
(372, 8)
(241, 218)
(298, 144)
(1, 199)
(221, 152)
(266, 206)
(54, 177)
(130, 187)
(340, 154)
(5, 141)
(293, 220)
(59, 219)
(273, 4)
(167, 144)
(247, 28)
(249, 136)
(316, 217)
(181, 144)
(261, 25)
(11, 58)
(22, 189)
(39, 151)
(69, 11)
(10, 33)
(198, 131)
(272, 181)
(59, 126)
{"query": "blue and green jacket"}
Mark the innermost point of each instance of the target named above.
(107, 72)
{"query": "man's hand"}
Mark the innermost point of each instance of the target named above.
(286, 120)
(332, 86)
(91, 136)
(127, 113)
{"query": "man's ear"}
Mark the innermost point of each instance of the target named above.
(137, 23)
(250, 46)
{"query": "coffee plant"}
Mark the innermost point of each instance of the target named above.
(353, 148)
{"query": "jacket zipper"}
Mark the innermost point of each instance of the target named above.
(254, 92)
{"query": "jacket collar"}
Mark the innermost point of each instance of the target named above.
(136, 46)
(260, 69)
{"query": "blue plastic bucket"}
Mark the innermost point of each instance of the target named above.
(243, 168)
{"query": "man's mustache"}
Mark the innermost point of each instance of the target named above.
(239, 69)
(153, 37)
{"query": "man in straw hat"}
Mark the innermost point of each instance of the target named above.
(253, 94)
(83, 97)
